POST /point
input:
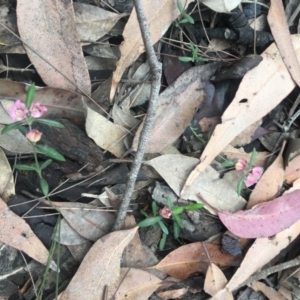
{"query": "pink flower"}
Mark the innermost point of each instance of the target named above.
(257, 172)
(166, 213)
(37, 110)
(33, 135)
(18, 110)
(240, 165)
(254, 176)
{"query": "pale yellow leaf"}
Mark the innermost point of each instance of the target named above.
(215, 280)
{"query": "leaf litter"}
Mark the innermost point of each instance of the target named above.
(269, 217)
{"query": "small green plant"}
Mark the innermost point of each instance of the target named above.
(183, 17)
(25, 115)
(226, 163)
(168, 212)
(250, 174)
(194, 58)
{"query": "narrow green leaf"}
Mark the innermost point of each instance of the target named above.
(185, 59)
(178, 220)
(199, 58)
(50, 152)
(227, 163)
(176, 230)
(189, 18)
(163, 227)
(44, 186)
(252, 158)
(176, 210)
(30, 95)
(162, 242)
(193, 206)
(12, 126)
(23, 167)
(183, 21)
(50, 123)
(169, 202)
(239, 186)
(45, 164)
(150, 221)
(179, 5)
(154, 208)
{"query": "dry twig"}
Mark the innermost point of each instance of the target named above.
(155, 67)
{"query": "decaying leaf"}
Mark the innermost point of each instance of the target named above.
(99, 268)
(264, 219)
(222, 6)
(215, 280)
(281, 33)
(192, 258)
(160, 14)
(93, 22)
(135, 284)
(106, 134)
(216, 191)
(15, 232)
(269, 80)
(268, 291)
(292, 171)
(176, 107)
(87, 220)
(49, 28)
(7, 185)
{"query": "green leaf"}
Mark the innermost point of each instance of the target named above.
(23, 167)
(178, 220)
(50, 123)
(193, 206)
(176, 210)
(45, 164)
(189, 19)
(30, 95)
(154, 208)
(183, 21)
(179, 5)
(162, 242)
(44, 186)
(176, 230)
(227, 163)
(185, 58)
(252, 158)
(163, 227)
(239, 186)
(12, 126)
(50, 152)
(150, 221)
(169, 202)
(199, 58)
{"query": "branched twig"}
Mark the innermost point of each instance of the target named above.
(155, 67)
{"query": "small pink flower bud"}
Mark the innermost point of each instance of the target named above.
(18, 110)
(254, 176)
(166, 213)
(37, 110)
(33, 135)
(241, 165)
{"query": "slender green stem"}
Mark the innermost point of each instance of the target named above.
(37, 165)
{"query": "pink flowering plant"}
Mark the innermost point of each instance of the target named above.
(171, 212)
(25, 115)
(250, 174)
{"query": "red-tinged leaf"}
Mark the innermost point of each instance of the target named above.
(191, 258)
(265, 219)
(15, 232)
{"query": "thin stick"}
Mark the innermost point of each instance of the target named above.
(155, 67)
